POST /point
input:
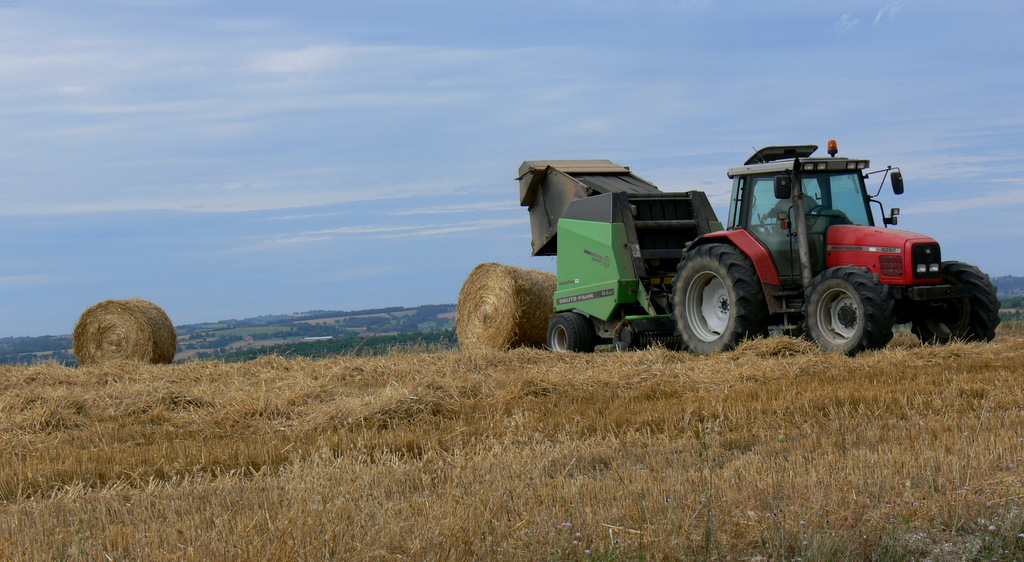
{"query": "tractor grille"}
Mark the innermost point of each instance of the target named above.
(927, 261)
(891, 266)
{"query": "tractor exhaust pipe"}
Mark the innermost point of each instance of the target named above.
(791, 187)
(799, 210)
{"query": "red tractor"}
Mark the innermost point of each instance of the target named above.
(801, 253)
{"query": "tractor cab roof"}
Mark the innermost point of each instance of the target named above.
(780, 159)
(773, 153)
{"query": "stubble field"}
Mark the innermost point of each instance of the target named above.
(774, 451)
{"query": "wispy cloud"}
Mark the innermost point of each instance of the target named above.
(889, 11)
(466, 208)
(385, 232)
(999, 200)
(312, 59)
(847, 21)
(382, 231)
(453, 228)
(399, 231)
(25, 280)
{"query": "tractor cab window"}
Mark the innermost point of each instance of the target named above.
(768, 222)
(837, 197)
(736, 203)
(764, 207)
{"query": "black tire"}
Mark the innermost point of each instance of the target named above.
(848, 309)
(718, 299)
(971, 319)
(571, 331)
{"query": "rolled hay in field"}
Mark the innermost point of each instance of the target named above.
(124, 330)
(501, 307)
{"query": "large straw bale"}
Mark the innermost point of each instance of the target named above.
(125, 330)
(501, 307)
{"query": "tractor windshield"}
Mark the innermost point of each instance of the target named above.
(840, 196)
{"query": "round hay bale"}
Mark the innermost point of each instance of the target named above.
(501, 307)
(124, 330)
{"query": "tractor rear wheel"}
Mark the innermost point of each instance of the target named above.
(718, 299)
(972, 319)
(571, 331)
(848, 309)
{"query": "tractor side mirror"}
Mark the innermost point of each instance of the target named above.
(783, 187)
(897, 182)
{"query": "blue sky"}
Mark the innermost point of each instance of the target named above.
(237, 158)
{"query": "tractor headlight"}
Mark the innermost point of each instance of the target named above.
(933, 268)
(922, 268)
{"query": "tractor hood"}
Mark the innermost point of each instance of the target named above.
(897, 256)
(873, 239)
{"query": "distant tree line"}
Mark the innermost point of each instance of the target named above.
(1012, 309)
(1009, 284)
(1014, 302)
(35, 349)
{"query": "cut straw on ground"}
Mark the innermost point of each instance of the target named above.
(776, 450)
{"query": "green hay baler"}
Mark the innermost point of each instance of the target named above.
(618, 241)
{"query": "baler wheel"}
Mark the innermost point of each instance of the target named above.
(571, 331)
(972, 319)
(849, 309)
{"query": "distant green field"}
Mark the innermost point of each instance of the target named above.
(213, 327)
(253, 331)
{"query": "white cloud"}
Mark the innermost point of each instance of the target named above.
(384, 232)
(847, 21)
(392, 231)
(312, 59)
(26, 280)
(466, 208)
(889, 11)
(999, 200)
(453, 228)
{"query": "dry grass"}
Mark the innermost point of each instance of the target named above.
(775, 450)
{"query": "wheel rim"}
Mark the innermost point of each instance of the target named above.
(839, 315)
(559, 339)
(708, 306)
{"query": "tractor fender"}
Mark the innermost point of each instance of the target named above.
(747, 244)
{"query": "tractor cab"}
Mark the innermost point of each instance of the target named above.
(770, 188)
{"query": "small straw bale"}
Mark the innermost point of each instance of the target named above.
(501, 307)
(124, 330)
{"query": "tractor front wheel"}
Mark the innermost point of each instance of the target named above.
(571, 331)
(972, 319)
(718, 299)
(848, 309)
